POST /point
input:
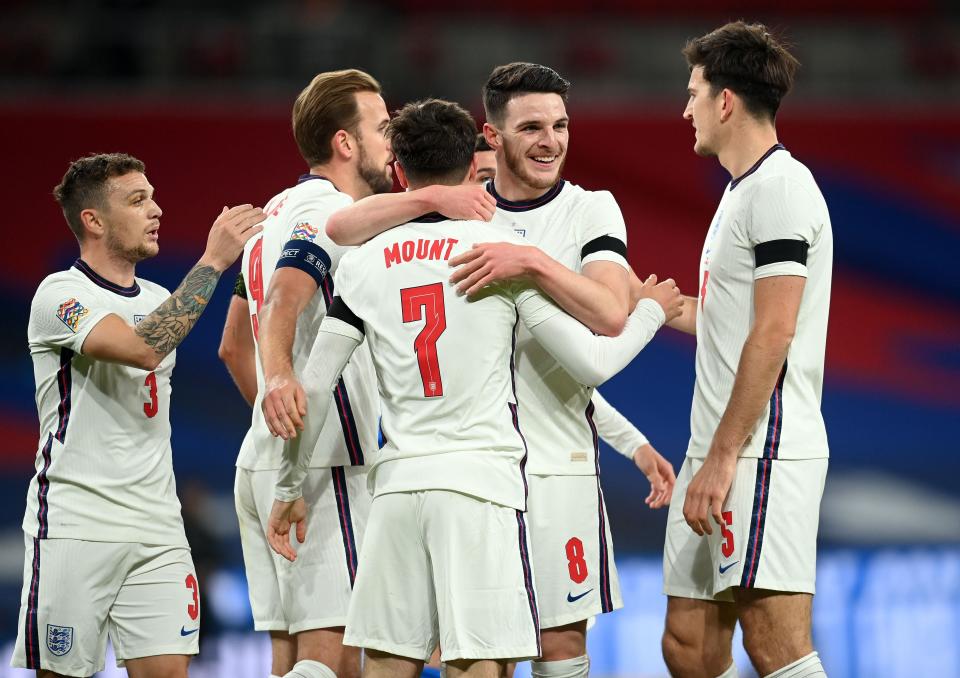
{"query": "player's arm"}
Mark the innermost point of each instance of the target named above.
(371, 216)
(687, 320)
(340, 334)
(776, 303)
(156, 336)
(237, 348)
(627, 439)
(592, 359)
(598, 298)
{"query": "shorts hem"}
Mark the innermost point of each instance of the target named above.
(572, 617)
(271, 626)
(785, 587)
(516, 653)
(315, 624)
(154, 651)
(72, 673)
(694, 594)
(406, 651)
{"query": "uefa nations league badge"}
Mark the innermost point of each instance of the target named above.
(59, 639)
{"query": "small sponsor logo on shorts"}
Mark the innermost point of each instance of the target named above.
(59, 639)
(188, 632)
(138, 318)
(724, 568)
(572, 598)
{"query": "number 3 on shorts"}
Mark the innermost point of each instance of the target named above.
(193, 609)
(576, 565)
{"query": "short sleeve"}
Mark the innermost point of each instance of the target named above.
(63, 315)
(604, 234)
(784, 220)
(306, 245)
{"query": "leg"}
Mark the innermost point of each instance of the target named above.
(469, 668)
(698, 637)
(383, 665)
(158, 666)
(776, 627)
(283, 648)
(564, 642)
(326, 646)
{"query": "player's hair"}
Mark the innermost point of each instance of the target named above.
(749, 61)
(481, 144)
(516, 79)
(84, 186)
(433, 140)
(324, 107)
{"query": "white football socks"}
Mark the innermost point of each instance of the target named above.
(805, 667)
(731, 671)
(578, 667)
(307, 668)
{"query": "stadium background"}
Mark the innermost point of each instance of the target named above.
(202, 92)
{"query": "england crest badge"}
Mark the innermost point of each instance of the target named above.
(59, 639)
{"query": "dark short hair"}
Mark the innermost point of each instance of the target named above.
(324, 107)
(481, 144)
(749, 61)
(517, 79)
(433, 140)
(84, 186)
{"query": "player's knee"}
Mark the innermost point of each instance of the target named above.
(563, 642)
(768, 652)
(679, 653)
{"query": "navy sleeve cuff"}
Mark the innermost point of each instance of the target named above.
(777, 251)
(306, 256)
(339, 310)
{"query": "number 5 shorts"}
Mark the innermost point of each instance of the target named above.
(76, 592)
(768, 539)
(572, 549)
(441, 567)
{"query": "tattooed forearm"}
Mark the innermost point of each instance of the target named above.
(165, 328)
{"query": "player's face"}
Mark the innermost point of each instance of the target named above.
(702, 111)
(534, 137)
(374, 155)
(486, 165)
(132, 219)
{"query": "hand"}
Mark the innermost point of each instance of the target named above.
(659, 472)
(667, 294)
(229, 233)
(707, 493)
(488, 263)
(636, 287)
(284, 406)
(282, 516)
(468, 201)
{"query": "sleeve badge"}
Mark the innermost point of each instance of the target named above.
(304, 231)
(71, 312)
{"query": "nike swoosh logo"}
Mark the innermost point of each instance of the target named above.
(724, 568)
(184, 632)
(572, 598)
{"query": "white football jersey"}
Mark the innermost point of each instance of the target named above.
(573, 226)
(293, 235)
(104, 464)
(444, 363)
(771, 221)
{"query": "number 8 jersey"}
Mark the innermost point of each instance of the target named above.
(104, 470)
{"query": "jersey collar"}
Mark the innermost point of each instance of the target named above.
(100, 281)
(308, 177)
(524, 205)
(756, 165)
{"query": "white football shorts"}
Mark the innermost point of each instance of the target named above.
(444, 567)
(313, 592)
(76, 592)
(572, 549)
(768, 539)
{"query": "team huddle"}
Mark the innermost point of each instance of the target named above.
(421, 477)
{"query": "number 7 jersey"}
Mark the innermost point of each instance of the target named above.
(104, 470)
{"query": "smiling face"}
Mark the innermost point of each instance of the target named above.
(374, 155)
(534, 136)
(703, 110)
(131, 219)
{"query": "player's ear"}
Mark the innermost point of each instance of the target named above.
(471, 177)
(401, 175)
(92, 225)
(726, 101)
(343, 144)
(492, 136)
